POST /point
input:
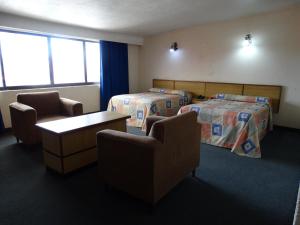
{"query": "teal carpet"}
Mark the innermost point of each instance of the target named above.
(230, 189)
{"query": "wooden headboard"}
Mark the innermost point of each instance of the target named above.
(209, 89)
(215, 88)
(168, 84)
(273, 92)
(195, 87)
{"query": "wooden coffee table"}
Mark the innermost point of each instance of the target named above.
(69, 144)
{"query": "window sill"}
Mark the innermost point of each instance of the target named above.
(47, 86)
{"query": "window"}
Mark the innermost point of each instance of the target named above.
(68, 61)
(25, 59)
(38, 59)
(92, 50)
(1, 81)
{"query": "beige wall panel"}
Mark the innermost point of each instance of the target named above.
(53, 162)
(79, 160)
(51, 142)
(168, 84)
(86, 138)
(196, 88)
(273, 92)
(214, 88)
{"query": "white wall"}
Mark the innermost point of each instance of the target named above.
(213, 52)
(133, 67)
(88, 95)
(38, 26)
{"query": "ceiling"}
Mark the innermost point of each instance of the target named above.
(139, 17)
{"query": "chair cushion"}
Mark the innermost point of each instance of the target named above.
(45, 103)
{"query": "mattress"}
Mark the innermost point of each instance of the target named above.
(235, 123)
(139, 106)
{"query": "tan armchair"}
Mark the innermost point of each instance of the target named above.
(36, 107)
(148, 167)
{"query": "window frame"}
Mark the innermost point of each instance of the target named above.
(50, 62)
(85, 61)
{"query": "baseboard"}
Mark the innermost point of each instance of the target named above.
(6, 129)
(297, 210)
(287, 128)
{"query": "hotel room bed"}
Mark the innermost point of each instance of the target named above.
(156, 101)
(234, 121)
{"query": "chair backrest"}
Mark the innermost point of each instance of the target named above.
(178, 131)
(45, 103)
(179, 152)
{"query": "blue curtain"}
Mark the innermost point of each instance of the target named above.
(114, 71)
(1, 123)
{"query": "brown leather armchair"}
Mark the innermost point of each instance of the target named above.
(36, 107)
(148, 167)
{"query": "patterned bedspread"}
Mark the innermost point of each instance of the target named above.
(142, 105)
(238, 125)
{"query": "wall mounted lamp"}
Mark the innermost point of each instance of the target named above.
(174, 47)
(248, 40)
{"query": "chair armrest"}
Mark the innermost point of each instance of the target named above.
(21, 107)
(150, 120)
(70, 107)
(23, 119)
(121, 155)
(22, 113)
